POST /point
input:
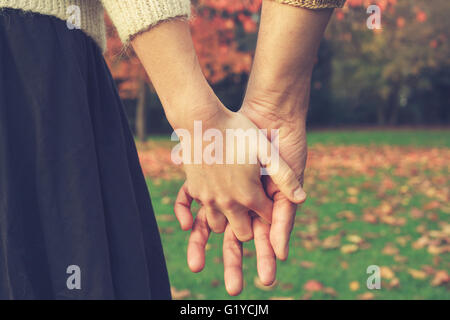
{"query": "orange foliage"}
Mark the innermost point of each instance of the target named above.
(214, 25)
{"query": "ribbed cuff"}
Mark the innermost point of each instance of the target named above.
(314, 4)
(134, 16)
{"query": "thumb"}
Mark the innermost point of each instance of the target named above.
(280, 173)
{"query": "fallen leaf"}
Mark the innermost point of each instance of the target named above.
(179, 294)
(417, 274)
(165, 217)
(330, 291)
(390, 250)
(306, 296)
(400, 259)
(366, 296)
(431, 205)
(215, 283)
(346, 214)
(166, 200)
(331, 242)
(286, 286)
(394, 283)
(416, 213)
(354, 285)
(349, 248)
(313, 286)
(429, 270)
(352, 191)
(387, 272)
(354, 238)
(370, 218)
(403, 240)
(307, 264)
(420, 243)
(441, 277)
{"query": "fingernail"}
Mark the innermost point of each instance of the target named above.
(299, 195)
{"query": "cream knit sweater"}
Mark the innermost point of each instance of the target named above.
(129, 16)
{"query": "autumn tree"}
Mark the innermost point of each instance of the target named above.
(386, 67)
(219, 29)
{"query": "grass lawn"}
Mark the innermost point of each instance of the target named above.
(375, 198)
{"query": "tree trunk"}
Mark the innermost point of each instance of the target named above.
(140, 113)
(394, 105)
(381, 115)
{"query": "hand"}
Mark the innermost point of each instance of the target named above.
(168, 55)
(278, 95)
(268, 239)
(232, 189)
(283, 113)
(232, 251)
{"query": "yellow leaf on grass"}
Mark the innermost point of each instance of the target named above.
(366, 296)
(387, 273)
(349, 248)
(352, 191)
(441, 277)
(417, 274)
(354, 238)
(331, 242)
(179, 294)
(166, 200)
(354, 285)
(390, 250)
(394, 283)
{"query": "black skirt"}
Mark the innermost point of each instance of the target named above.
(76, 221)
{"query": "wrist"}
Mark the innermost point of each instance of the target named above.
(286, 102)
(200, 104)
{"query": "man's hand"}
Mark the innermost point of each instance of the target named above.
(293, 149)
(277, 96)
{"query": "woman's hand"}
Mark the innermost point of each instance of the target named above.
(229, 182)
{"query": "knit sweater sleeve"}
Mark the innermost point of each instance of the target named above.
(133, 16)
(314, 4)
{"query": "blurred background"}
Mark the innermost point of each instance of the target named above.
(379, 159)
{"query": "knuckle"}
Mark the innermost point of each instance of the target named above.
(193, 192)
(248, 201)
(208, 201)
(226, 203)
